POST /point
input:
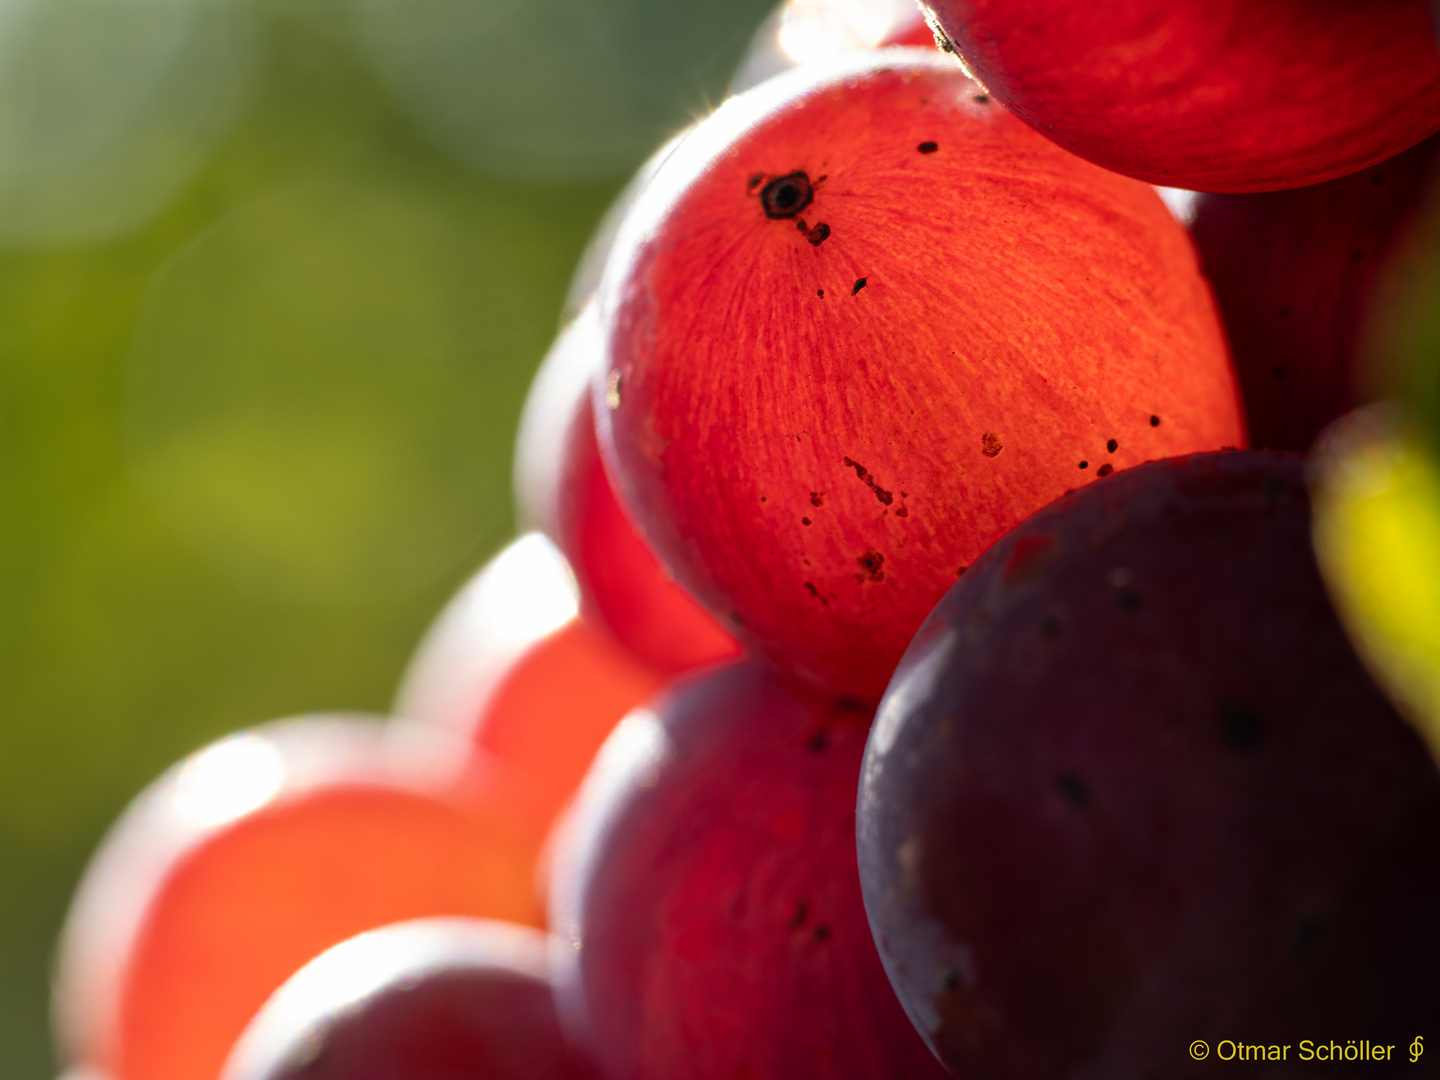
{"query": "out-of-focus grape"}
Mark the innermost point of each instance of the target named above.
(242, 863)
(1376, 490)
(801, 31)
(522, 690)
(319, 387)
(431, 999)
(565, 88)
(107, 107)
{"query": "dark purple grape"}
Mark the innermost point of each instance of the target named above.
(1131, 788)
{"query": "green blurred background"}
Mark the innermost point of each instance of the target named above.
(273, 280)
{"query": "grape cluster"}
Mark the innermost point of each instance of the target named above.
(910, 670)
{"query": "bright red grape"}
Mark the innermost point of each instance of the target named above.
(524, 689)
(707, 904)
(1214, 95)
(433, 999)
(242, 863)
(623, 587)
(860, 323)
(1131, 787)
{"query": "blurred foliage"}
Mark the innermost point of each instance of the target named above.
(1377, 483)
(271, 291)
(1377, 536)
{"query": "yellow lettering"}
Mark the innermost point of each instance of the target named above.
(1220, 1050)
(1307, 1050)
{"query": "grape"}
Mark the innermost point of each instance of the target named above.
(243, 862)
(1131, 787)
(1294, 272)
(804, 31)
(707, 902)
(1214, 95)
(623, 587)
(859, 324)
(432, 999)
(527, 690)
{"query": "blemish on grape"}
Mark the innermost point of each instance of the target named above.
(864, 474)
(813, 591)
(1105, 470)
(859, 284)
(1084, 464)
(1112, 446)
(870, 564)
(990, 444)
(1241, 727)
(817, 499)
(928, 147)
(786, 196)
(1154, 421)
(1073, 788)
(612, 389)
(804, 521)
(821, 932)
(802, 912)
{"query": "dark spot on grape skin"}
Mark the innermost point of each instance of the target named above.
(1154, 421)
(928, 147)
(786, 196)
(859, 284)
(870, 566)
(1074, 789)
(990, 444)
(1241, 727)
(802, 912)
(1129, 601)
(820, 293)
(904, 511)
(756, 179)
(1084, 464)
(1112, 446)
(764, 499)
(864, 474)
(817, 235)
(961, 571)
(950, 980)
(804, 521)
(819, 743)
(1105, 470)
(981, 99)
(817, 499)
(821, 932)
(810, 588)
(1308, 933)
